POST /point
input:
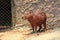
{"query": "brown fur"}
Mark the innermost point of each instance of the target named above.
(36, 19)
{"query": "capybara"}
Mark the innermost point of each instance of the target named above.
(36, 19)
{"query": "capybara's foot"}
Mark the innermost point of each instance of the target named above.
(38, 31)
(32, 32)
(43, 30)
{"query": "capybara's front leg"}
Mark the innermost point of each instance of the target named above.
(32, 28)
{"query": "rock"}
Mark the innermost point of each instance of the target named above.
(50, 7)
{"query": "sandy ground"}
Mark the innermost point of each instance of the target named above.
(24, 35)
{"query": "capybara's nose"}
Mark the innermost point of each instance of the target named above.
(23, 17)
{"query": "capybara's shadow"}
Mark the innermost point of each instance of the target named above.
(34, 32)
(38, 31)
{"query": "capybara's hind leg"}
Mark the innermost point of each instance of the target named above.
(39, 28)
(44, 26)
(35, 27)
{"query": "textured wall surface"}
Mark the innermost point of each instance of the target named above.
(50, 7)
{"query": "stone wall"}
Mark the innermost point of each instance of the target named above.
(50, 7)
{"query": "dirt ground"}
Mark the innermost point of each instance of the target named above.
(17, 34)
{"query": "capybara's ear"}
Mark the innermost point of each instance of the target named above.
(30, 10)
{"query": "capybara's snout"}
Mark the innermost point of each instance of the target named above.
(23, 17)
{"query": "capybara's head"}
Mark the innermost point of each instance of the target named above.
(27, 15)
